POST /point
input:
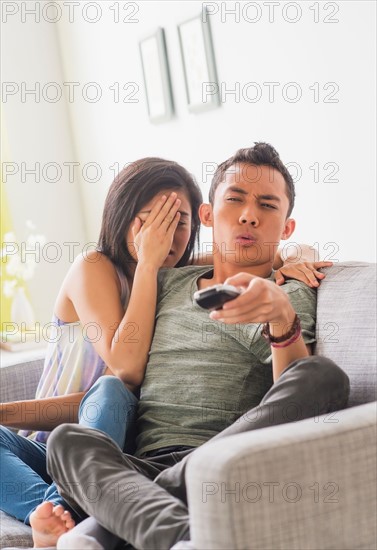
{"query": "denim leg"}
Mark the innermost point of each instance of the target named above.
(25, 482)
(109, 406)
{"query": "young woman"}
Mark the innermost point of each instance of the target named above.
(104, 316)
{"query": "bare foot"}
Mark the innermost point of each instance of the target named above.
(48, 523)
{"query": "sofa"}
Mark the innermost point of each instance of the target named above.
(310, 484)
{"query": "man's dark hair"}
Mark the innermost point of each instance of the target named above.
(262, 154)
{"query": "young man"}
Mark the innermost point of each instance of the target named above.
(208, 375)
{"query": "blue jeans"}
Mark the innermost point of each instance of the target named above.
(24, 481)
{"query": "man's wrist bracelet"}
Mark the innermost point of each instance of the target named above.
(293, 333)
(287, 343)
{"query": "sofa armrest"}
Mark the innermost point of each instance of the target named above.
(302, 486)
(19, 382)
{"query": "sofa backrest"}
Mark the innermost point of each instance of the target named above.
(19, 382)
(346, 325)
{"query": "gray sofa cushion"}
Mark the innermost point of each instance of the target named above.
(14, 533)
(346, 325)
(307, 486)
(19, 382)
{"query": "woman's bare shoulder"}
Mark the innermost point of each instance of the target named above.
(93, 263)
(92, 272)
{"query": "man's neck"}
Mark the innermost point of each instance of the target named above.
(222, 270)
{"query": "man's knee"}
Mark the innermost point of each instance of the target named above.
(336, 380)
(58, 437)
(327, 372)
(324, 377)
(58, 442)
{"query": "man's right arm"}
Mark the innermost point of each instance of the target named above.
(262, 301)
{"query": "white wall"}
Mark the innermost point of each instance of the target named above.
(107, 132)
(305, 132)
(38, 132)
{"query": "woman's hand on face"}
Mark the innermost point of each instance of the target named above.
(153, 239)
(307, 272)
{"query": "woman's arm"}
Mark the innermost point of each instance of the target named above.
(123, 339)
(307, 254)
(41, 414)
(303, 267)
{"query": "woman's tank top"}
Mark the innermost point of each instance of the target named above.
(71, 364)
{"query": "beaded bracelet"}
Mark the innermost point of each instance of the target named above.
(288, 338)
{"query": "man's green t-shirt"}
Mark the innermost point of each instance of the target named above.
(202, 374)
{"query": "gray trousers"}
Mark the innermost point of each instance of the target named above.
(143, 501)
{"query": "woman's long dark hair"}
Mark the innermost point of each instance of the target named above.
(136, 185)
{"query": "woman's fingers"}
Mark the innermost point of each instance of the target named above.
(172, 226)
(166, 207)
(279, 277)
(155, 210)
(153, 239)
(136, 226)
(167, 212)
(307, 276)
(306, 272)
(170, 217)
(321, 264)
